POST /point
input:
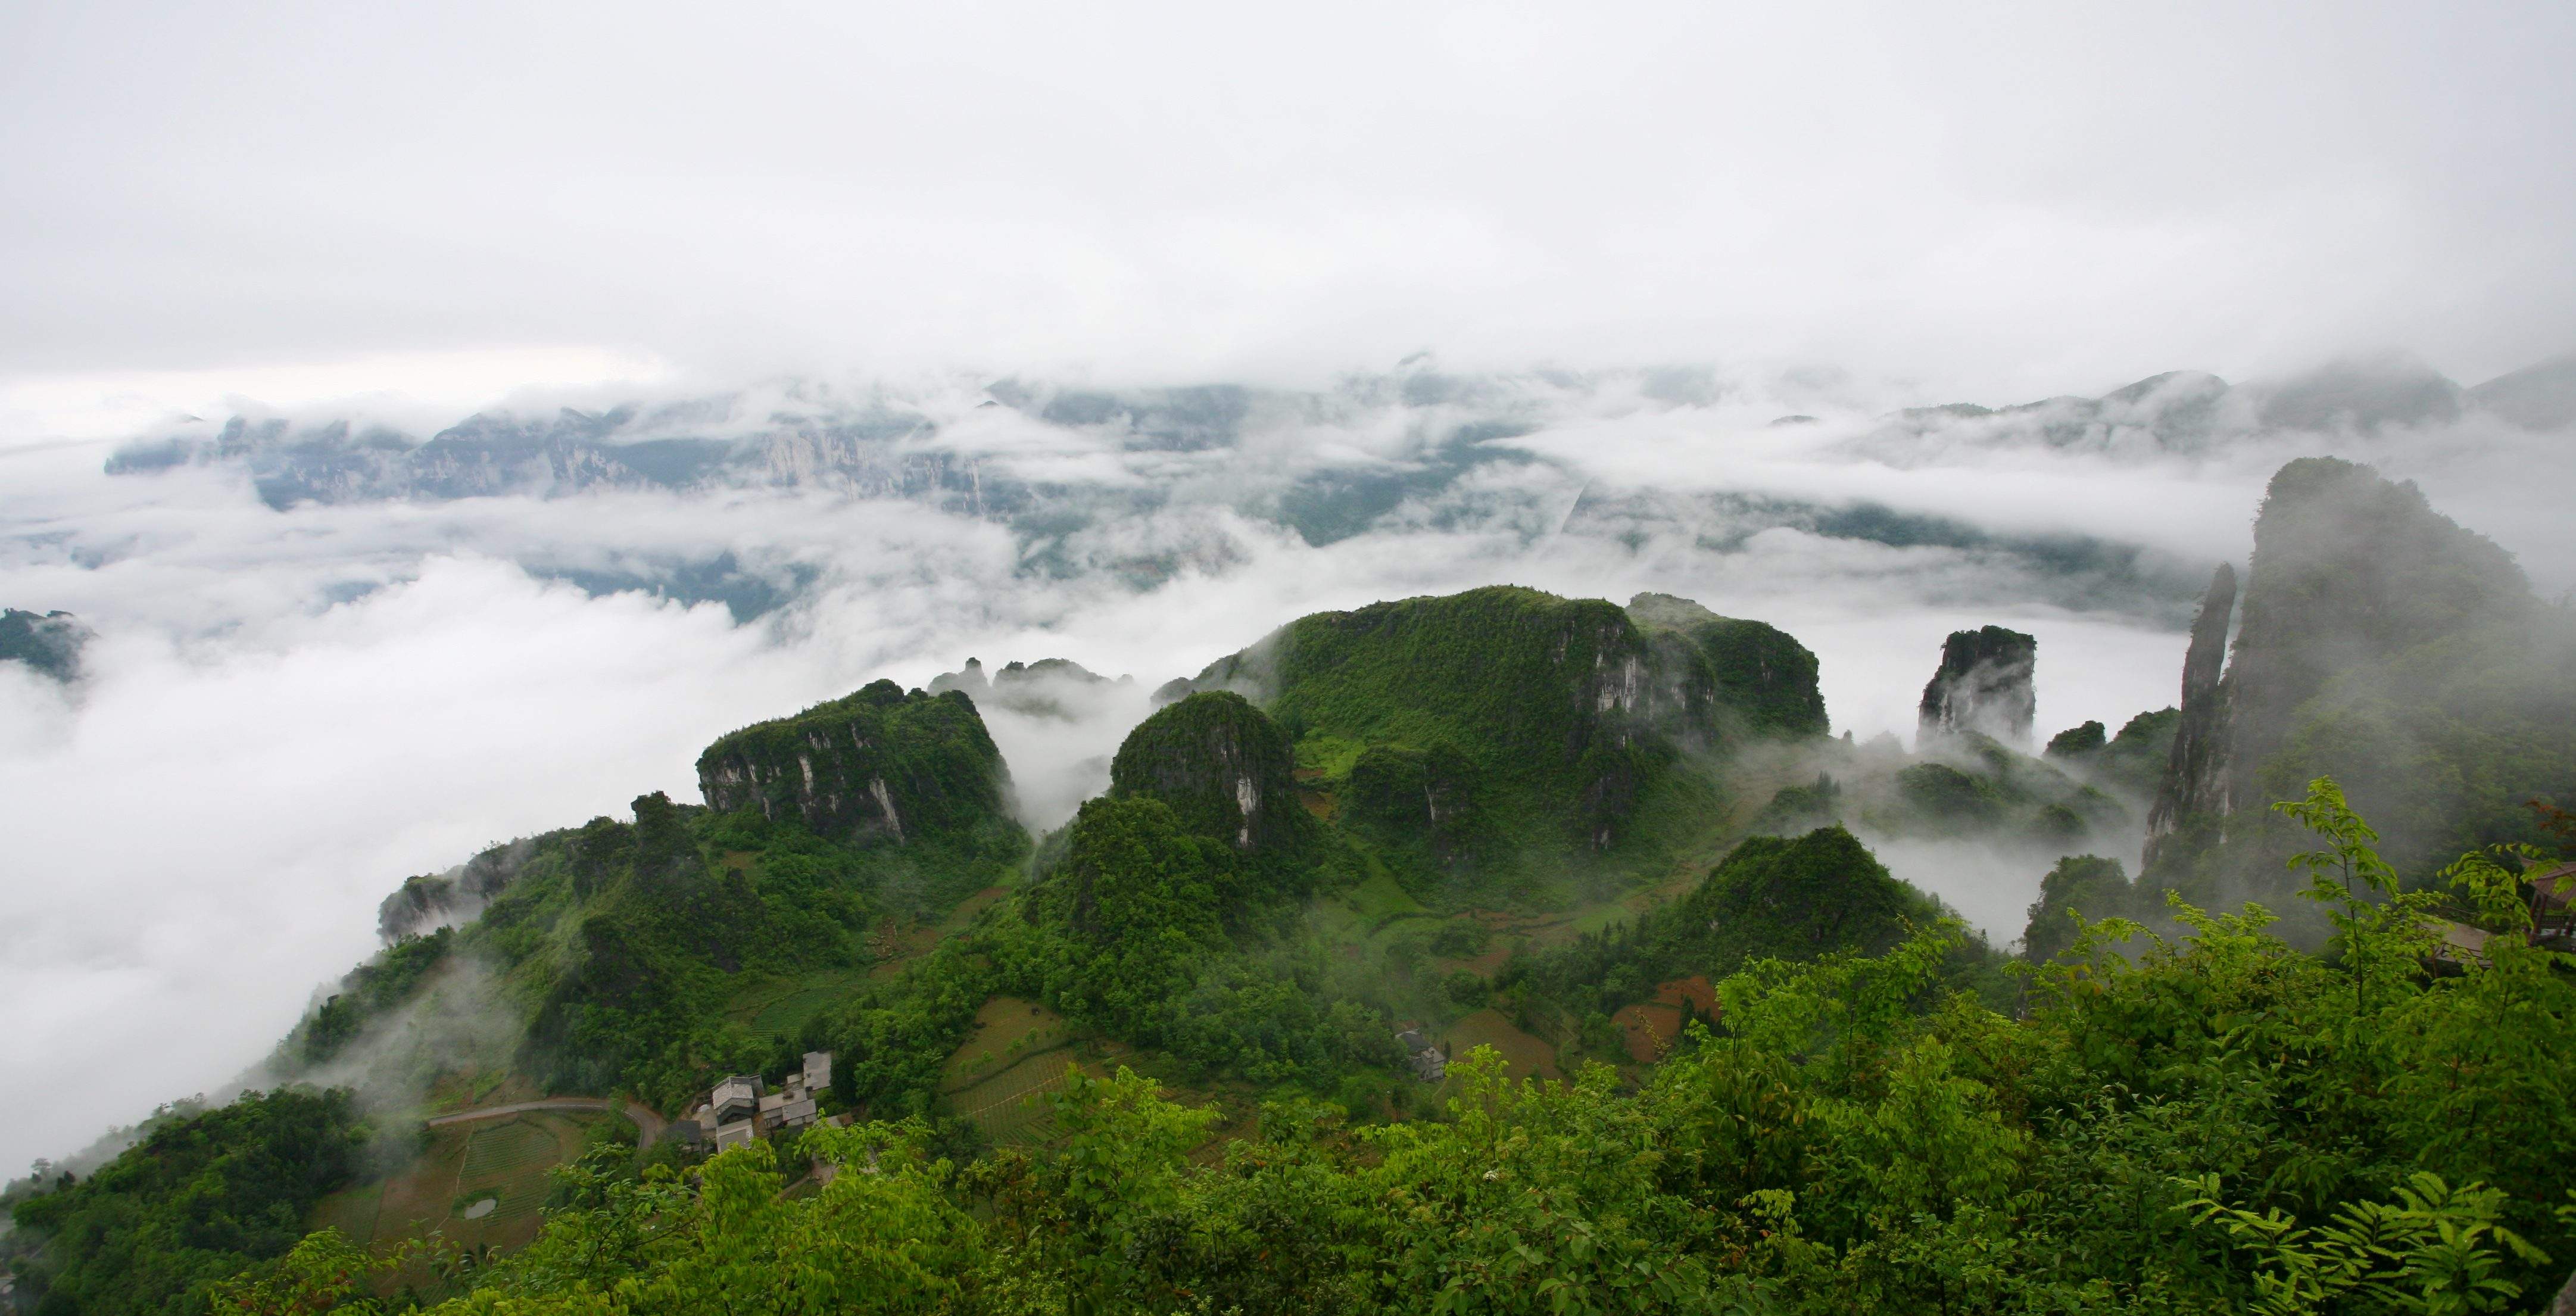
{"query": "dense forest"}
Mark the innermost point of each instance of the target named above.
(2291, 1066)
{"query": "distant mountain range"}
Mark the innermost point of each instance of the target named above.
(1415, 449)
(801, 435)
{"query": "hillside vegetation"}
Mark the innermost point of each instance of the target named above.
(1704, 1051)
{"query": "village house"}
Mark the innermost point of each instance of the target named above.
(1428, 1061)
(742, 1107)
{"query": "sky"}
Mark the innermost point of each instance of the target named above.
(1979, 201)
(415, 212)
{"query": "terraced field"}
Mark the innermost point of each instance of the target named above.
(503, 1161)
(999, 1077)
(779, 1007)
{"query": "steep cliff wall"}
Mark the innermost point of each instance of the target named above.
(1983, 686)
(880, 766)
(1760, 679)
(1223, 767)
(2380, 643)
(2195, 778)
(1557, 705)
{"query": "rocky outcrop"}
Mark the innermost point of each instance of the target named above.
(2348, 569)
(2195, 779)
(436, 900)
(1559, 704)
(1050, 687)
(1758, 677)
(48, 642)
(1225, 768)
(1983, 687)
(2377, 642)
(878, 767)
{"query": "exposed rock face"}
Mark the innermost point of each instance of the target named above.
(49, 642)
(880, 766)
(432, 900)
(2195, 781)
(2380, 643)
(1983, 686)
(1762, 679)
(1223, 766)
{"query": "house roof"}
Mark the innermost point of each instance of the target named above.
(2554, 884)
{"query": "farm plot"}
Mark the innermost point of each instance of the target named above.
(1524, 1056)
(999, 1078)
(1648, 1028)
(505, 1162)
(780, 1008)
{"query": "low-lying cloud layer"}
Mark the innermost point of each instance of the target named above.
(295, 702)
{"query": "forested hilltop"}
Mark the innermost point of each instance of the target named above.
(1489, 952)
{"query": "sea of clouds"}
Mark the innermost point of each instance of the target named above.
(286, 712)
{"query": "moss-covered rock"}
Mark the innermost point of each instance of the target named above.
(878, 767)
(1554, 707)
(1224, 768)
(1759, 678)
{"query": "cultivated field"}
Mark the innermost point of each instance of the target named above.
(502, 1161)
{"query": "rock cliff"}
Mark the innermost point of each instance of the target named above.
(1223, 767)
(881, 766)
(2378, 642)
(2195, 778)
(1983, 687)
(1760, 678)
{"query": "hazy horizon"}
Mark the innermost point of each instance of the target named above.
(1618, 248)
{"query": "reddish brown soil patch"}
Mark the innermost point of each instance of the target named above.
(1648, 1028)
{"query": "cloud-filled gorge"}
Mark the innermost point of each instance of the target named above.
(331, 651)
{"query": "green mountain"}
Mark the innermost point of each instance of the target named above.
(1249, 1032)
(614, 956)
(2381, 644)
(1546, 736)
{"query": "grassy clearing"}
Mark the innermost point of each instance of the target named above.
(1327, 758)
(1006, 1028)
(1380, 897)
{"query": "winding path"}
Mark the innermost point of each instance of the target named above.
(648, 1126)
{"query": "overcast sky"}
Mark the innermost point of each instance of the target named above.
(286, 713)
(1989, 201)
